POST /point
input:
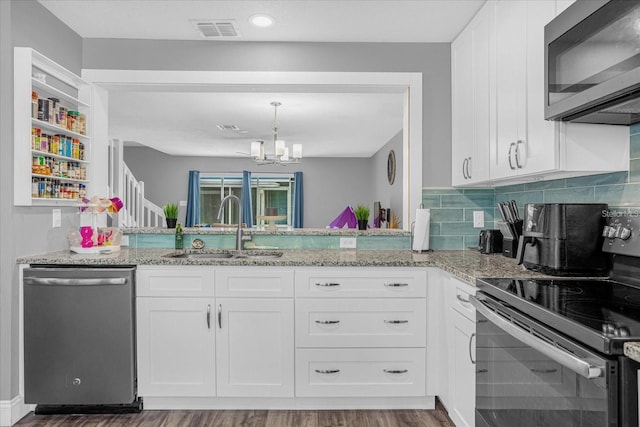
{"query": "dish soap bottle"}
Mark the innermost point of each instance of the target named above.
(179, 237)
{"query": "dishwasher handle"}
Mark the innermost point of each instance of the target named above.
(100, 281)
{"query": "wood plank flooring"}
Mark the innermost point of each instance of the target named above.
(259, 418)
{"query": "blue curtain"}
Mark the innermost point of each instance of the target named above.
(193, 200)
(298, 201)
(247, 206)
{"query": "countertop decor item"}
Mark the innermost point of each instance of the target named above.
(362, 215)
(171, 214)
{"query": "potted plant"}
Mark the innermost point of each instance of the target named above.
(171, 214)
(362, 215)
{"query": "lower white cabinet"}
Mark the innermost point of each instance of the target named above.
(461, 331)
(360, 372)
(175, 347)
(254, 354)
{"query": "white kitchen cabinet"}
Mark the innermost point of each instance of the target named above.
(521, 145)
(255, 348)
(470, 61)
(175, 331)
(48, 173)
(254, 332)
(461, 353)
(175, 347)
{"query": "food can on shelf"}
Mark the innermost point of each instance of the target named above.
(72, 121)
(34, 104)
(43, 109)
(82, 124)
(62, 116)
(54, 105)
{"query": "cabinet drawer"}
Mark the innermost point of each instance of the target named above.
(458, 296)
(254, 282)
(361, 323)
(370, 283)
(174, 281)
(360, 372)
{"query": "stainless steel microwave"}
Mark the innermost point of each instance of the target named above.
(592, 63)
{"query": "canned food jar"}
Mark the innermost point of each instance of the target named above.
(82, 124)
(72, 121)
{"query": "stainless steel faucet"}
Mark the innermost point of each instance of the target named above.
(220, 212)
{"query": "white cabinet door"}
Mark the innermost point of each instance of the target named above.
(176, 341)
(463, 374)
(470, 64)
(255, 348)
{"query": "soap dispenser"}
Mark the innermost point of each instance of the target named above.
(179, 237)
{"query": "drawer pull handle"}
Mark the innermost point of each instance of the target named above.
(543, 371)
(395, 371)
(396, 322)
(327, 322)
(466, 301)
(328, 285)
(327, 371)
(396, 285)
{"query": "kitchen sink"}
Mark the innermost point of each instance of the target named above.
(225, 255)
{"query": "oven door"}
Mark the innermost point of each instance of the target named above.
(528, 375)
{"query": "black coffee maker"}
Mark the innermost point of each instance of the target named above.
(564, 239)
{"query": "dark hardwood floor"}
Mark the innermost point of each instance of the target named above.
(260, 418)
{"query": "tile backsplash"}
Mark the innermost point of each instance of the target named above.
(452, 209)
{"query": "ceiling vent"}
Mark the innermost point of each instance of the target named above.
(228, 128)
(216, 29)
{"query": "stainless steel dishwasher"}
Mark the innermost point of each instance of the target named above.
(79, 339)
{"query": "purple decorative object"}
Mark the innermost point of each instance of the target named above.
(347, 217)
(86, 232)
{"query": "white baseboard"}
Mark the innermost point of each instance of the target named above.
(12, 411)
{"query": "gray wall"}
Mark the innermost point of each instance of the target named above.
(329, 184)
(433, 60)
(389, 195)
(23, 230)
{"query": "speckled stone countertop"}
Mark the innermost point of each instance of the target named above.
(278, 232)
(465, 264)
(632, 350)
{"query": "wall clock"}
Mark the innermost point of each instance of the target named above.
(391, 167)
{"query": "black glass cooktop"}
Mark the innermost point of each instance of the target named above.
(600, 313)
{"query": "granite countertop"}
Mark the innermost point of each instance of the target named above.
(632, 350)
(464, 264)
(278, 232)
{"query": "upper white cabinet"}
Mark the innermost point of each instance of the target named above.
(521, 145)
(52, 117)
(470, 100)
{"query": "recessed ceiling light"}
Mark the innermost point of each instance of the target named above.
(261, 20)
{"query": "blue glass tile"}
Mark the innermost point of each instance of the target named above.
(522, 198)
(446, 242)
(634, 129)
(447, 215)
(439, 191)
(431, 201)
(479, 191)
(434, 229)
(546, 185)
(634, 170)
(471, 241)
(384, 242)
(468, 201)
(510, 188)
(569, 195)
(618, 195)
(601, 179)
(156, 241)
(457, 228)
(488, 214)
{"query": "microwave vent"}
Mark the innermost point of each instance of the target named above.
(629, 107)
(216, 29)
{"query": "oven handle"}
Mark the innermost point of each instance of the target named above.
(567, 360)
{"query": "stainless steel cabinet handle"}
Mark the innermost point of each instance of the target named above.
(220, 316)
(327, 371)
(464, 168)
(209, 316)
(396, 322)
(471, 348)
(469, 168)
(466, 301)
(543, 371)
(513, 144)
(74, 282)
(326, 285)
(327, 322)
(568, 360)
(395, 371)
(520, 166)
(396, 285)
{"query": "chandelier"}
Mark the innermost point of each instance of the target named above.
(281, 155)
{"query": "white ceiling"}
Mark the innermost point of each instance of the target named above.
(327, 124)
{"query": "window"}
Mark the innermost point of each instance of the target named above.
(267, 191)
